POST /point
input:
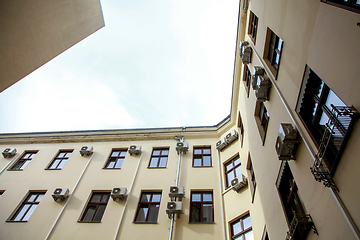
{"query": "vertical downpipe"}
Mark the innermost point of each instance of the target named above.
(221, 195)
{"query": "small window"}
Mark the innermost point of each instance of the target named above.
(241, 130)
(232, 169)
(159, 158)
(253, 26)
(202, 157)
(262, 119)
(242, 229)
(252, 177)
(23, 161)
(1, 192)
(273, 49)
(116, 159)
(351, 5)
(60, 160)
(148, 207)
(96, 207)
(27, 207)
(201, 207)
(247, 79)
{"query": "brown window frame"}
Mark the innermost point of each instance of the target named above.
(159, 157)
(349, 5)
(241, 129)
(251, 174)
(235, 166)
(99, 211)
(241, 233)
(272, 51)
(201, 156)
(148, 204)
(115, 160)
(202, 202)
(30, 203)
(253, 26)
(23, 161)
(247, 79)
(61, 160)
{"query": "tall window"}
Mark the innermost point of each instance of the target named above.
(262, 119)
(253, 25)
(27, 207)
(273, 48)
(148, 207)
(241, 229)
(247, 79)
(317, 104)
(232, 169)
(202, 157)
(352, 5)
(241, 129)
(116, 159)
(159, 158)
(201, 206)
(60, 160)
(23, 161)
(95, 207)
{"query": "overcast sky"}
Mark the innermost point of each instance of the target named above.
(158, 63)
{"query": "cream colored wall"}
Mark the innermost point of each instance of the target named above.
(34, 32)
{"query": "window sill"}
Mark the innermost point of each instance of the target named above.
(89, 221)
(201, 222)
(12, 221)
(52, 169)
(156, 167)
(14, 169)
(145, 222)
(201, 166)
(111, 168)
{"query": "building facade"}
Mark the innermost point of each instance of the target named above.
(283, 165)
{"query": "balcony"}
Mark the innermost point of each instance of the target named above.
(300, 227)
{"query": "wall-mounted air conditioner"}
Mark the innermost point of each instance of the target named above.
(246, 54)
(9, 152)
(257, 71)
(242, 45)
(86, 150)
(286, 142)
(182, 147)
(231, 136)
(177, 192)
(135, 149)
(262, 88)
(221, 144)
(174, 208)
(60, 194)
(239, 182)
(119, 194)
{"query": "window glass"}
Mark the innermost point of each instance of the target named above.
(96, 197)
(197, 162)
(145, 197)
(156, 198)
(141, 217)
(153, 213)
(22, 212)
(236, 227)
(196, 197)
(197, 151)
(207, 197)
(247, 222)
(28, 214)
(207, 161)
(207, 213)
(163, 161)
(156, 152)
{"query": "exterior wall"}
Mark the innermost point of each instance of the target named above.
(59, 25)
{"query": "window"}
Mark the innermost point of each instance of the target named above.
(253, 25)
(317, 104)
(1, 192)
(60, 160)
(251, 175)
(232, 169)
(247, 79)
(273, 48)
(201, 207)
(159, 158)
(241, 129)
(23, 161)
(116, 159)
(262, 119)
(242, 229)
(27, 207)
(95, 207)
(148, 207)
(352, 5)
(202, 157)
(265, 235)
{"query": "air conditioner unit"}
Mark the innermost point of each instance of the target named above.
(262, 88)
(257, 71)
(239, 182)
(9, 152)
(231, 136)
(220, 145)
(286, 142)
(242, 45)
(174, 208)
(135, 149)
(60, 194)
(246, 54)
(86, 150)
(177, 192)
(119, 194)
(182, 147)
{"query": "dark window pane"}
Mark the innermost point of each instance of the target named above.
(207, 213)
(99, 213)
(141, 217)
(145, 198)
(195, 215)
(153, 213)
(89, 213)
(105, 198)
(96, 197)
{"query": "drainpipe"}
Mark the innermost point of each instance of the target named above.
(177, 184)
(68, 200)
(127, 199)
(11, 161)
(221, 196)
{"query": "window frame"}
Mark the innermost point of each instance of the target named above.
(253, 26)
(143, 204)
(241, 129)
(350, 6)
(272, 50)
(247, 79)
(201, 155)
(251, 174)
(57, 157)
(159, 157)
(262, 119)
(202, 202)
(116, 159)
(240, 220)
(35, 202)
(233, 169)
(97, 204)
(25, 161)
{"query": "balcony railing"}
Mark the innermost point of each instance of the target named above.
(300, 227)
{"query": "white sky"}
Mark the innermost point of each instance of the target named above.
(155, 63)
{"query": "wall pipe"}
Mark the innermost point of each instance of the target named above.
(68, 200)
(221, 196)
(11, 161)
(335, 194)
(127, 199)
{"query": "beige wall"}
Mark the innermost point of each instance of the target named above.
(34, 32)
